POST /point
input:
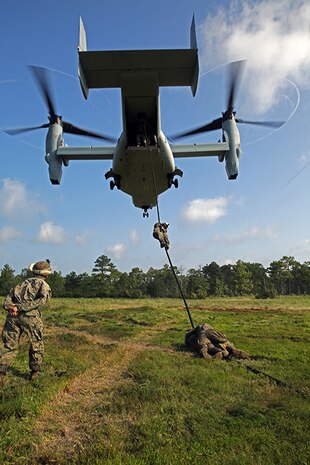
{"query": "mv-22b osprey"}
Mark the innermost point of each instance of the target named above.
(143, 160)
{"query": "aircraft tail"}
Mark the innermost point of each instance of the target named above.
(193, 45)
(82, 48)
(108, 69)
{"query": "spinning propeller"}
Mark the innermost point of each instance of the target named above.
(41, 75)
(235, 70)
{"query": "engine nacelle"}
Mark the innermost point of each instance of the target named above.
(54, 139)
(232, 136)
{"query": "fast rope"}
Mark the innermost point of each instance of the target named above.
(153, 175)
(180, 289)
(158, 217)
(277, 381)
(254, 370)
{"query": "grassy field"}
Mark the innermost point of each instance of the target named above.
(118, 386)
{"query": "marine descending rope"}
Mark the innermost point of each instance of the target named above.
(254, 370)
(167, 253)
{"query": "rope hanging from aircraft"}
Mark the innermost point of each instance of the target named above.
(153, 175)
(166, 250)
(180, 289)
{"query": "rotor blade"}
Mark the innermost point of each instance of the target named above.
(15, 131)
(41, 75)
(270, 124)
(235, 73)
(215, 124)
(71, 129)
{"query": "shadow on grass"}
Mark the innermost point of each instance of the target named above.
(18, 373)
(182, 348)
(264, 357)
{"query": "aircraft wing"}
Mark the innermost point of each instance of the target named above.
(199, 150)
(179, 151)
(86, 153)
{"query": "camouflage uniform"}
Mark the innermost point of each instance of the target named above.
(160, 233)
(210, 343)
(28, 297)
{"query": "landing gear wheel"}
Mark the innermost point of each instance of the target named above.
(112, 185)
(174, 182)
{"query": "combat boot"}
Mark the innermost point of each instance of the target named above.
(240, 354)
(33, 374)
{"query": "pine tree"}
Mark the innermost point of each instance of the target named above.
(7, 279)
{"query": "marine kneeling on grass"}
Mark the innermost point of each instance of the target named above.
(23, 305)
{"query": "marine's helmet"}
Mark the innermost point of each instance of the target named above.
(42, 268)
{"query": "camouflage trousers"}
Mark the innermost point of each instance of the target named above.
(13, 329)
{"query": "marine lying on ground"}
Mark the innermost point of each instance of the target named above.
(210, 343)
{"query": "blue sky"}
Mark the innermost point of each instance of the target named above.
(260, 217)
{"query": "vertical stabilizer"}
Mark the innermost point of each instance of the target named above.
(82, 41)
(82, 48)
(193, 38)
(193, 45)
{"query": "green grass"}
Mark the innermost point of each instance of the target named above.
(198, 417)
(166, 407)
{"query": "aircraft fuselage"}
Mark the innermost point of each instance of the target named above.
(143, 171)
(143, 163)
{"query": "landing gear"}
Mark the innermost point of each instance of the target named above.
(116, 183)
(173, 182)
(145, 213)
(171, 176)
(116, 180)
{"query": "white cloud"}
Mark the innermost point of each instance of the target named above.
(117, 250)
(302, 249)
(272, 35)
(81, 240)
(205, 210)
(49, 232)
(134, 237)
(8, 232)
(246, 235)
(16, 201)
(303, 160)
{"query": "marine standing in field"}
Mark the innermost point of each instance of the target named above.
(23, 305)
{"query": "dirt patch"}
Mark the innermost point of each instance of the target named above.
(102, 340)
(65, 426)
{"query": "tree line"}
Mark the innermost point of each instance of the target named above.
(282, 277)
